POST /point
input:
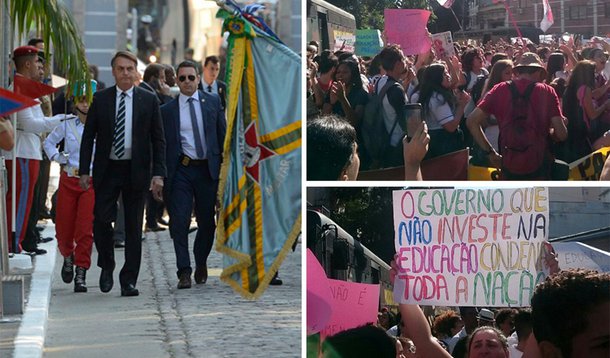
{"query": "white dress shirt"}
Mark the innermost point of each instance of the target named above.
(186, 128)
(31, 122)
(214, 87)
(128, 122)
(69, 131)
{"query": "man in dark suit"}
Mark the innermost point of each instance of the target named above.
(195, 126)
(125, 123)
(210, 83)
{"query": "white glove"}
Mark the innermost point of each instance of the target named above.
(62, 158)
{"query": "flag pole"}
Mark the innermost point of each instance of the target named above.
(512, 19)
(14, 238)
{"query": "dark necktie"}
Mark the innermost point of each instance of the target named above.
(119, 129)
(196, 133)
(210, 88)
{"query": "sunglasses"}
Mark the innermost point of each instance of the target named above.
(183, 78)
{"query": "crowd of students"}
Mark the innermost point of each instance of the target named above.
(568, 317)
(467, 101)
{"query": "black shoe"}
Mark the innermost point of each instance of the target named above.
(275, 281)
(185, 281)
(192, 229)
(80, 285)
(43, 240)
(155, 228)
(106, 281)
(44, 214)
(67, 270)
(35, 251)
(39, 228)
(119, 244)
(129, 290)
(162, 221)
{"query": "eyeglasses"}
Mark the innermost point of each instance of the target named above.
(183, 78)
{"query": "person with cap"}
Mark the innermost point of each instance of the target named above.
(486, 318)
(124, 122)
(543, 102)
(27, 152)
(74, 220)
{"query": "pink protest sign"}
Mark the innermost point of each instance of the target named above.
(407, 28)
(353, 305)
(318, 295)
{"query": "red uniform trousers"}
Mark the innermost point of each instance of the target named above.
(74, 220)
(27, 173)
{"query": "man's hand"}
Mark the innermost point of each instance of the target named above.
(83, 181)
(156, 186)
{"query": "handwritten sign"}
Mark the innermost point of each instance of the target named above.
(353, 305)
(318, 295)
(579, 255)
(407, 28)
(344, 40)
(368, 42)
(443, 44)
(469, 247)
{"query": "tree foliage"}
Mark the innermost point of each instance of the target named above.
(366, 214)
(369, 13)
(56, 26)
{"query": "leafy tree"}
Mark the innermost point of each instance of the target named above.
(366, 214)
(56, 26)
(369, 13)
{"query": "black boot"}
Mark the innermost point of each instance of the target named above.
(67, 270)
(79, 281)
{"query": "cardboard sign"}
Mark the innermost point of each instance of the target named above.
(345, 40)
(443, 44)
(579, 255)
(407, 28)
(318, 295)
(368, 42)
(589, 167)
(470, 247)
(353, 305)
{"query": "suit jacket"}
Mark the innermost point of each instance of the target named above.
(222, 91)
(215, 128)
(148, 141)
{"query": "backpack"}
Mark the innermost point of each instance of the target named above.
(375, 136)
(524, 147)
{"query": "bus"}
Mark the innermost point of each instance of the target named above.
(330, 26)
(345, 258)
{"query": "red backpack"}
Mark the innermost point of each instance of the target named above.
(523, 143)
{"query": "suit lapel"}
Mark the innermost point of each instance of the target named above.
(176, 124)
(203, 113)
(135, 111)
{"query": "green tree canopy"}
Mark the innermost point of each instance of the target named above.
(56, 26)
(369, 13)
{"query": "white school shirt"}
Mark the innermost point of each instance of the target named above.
(71, 143)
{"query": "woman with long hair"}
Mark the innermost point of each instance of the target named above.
(581, 111)
(501, 71)
(557, 75)
(442, 110)
(347, 96)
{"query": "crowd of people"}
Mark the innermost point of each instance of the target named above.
(568, 317)
(481, 98)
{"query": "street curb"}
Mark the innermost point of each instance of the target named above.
(29, 341)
